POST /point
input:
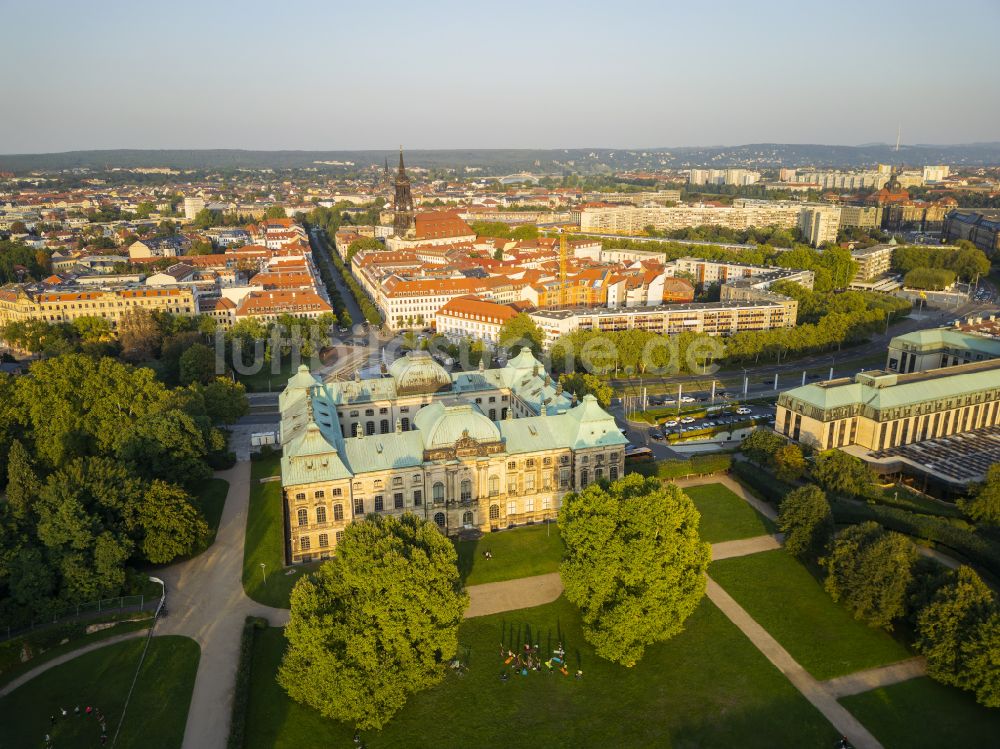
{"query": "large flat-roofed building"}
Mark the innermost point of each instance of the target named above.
(923, 350)
(819, 224)
(878, 410)
(743, 213)
(861, 216)
(872, 261)
(483, 450)
(712, 318)
(982, 228)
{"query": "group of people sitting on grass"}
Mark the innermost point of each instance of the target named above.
(531, 660)
(89, 712)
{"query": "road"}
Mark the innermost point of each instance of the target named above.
(790, 372)
(320, 254)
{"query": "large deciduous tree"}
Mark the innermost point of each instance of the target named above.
(634, 563)
(520, 331)
(376, 623)
(806, 520)
(959, 635)
(870, 569)
(840, 473)
(984, 506)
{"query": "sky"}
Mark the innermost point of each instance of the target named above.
(330, 75)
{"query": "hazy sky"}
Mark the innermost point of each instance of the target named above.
(293, 74)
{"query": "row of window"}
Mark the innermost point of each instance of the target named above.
(305, 543)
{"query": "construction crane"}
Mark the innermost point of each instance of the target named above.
(563, 262)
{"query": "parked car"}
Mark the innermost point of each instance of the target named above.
(687, 420)
(656, 436)
(670, 424)
(687, 399)
(743, 411)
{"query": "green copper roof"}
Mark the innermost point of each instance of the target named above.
(378, 452)
(946, 338)
(443, 426)
(885, 391)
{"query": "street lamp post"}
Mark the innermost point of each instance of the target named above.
(263, 571)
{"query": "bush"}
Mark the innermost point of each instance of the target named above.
(241, 692)
(951, 533)
(221, 461)
(696, 465)
(266, 451)
(806, 520)
(771, 489)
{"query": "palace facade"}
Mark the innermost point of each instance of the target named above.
(485, 449)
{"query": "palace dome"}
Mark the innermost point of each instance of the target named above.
(443, 426)
(418, 373)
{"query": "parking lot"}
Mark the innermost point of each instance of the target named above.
(723, 418)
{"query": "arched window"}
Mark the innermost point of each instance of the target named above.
(613, 473)
(384, 426)
(338, 512)
(406, 424)
(303, 517)
(439, 492)
(467, 517)
(370, 427)
(354, 429)
(320, 514)
(439, 519)
(598, 473)
(493, 414)
(466, 490)
(584, 477)
(494, 512)
(494, 485)
(324, 540)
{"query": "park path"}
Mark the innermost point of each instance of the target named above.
(59, 660)
(743, 546)
(873, 678)
(817, 693)
(509, 595)
(206, 602)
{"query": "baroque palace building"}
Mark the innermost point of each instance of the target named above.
(483, 450)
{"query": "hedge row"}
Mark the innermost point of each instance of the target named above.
(241, 693)
(953, 533)
(695, 465)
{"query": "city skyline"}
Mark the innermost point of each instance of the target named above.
(451, 76)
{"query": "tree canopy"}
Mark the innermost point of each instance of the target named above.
(634, 564)
(520, 331)
(376, 623)
(984, 505)
(840, 473)
(581, 384)
(959, 635)
(806, 520)
(870, 569)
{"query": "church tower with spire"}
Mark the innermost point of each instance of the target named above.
(402, 204)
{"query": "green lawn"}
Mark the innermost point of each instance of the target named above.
(781, 595)
(923, 714)
(211, 499)
(725, 516)
(265, 540)
(518, 552)
(266, 380)
(156, 714)
(708, 687)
